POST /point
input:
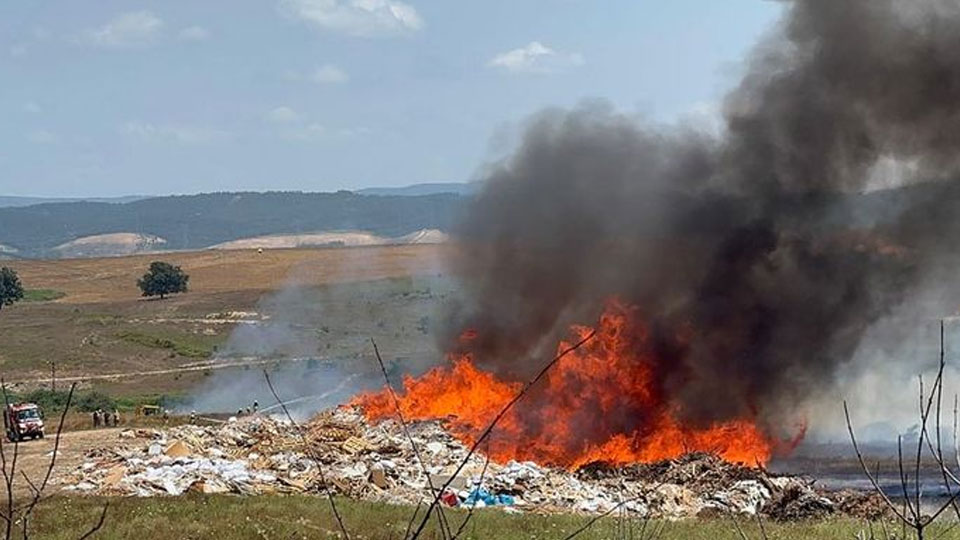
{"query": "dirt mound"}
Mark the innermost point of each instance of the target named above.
(333, 239)
(110, 245)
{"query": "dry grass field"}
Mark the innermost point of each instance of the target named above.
(89, 319)
(113, 279)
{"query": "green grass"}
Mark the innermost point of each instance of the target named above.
(42, 295)
(219, 517)
(183, 344)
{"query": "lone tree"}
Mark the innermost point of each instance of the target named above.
(10, 288)
(163, 279)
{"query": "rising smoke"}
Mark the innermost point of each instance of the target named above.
(757, 245)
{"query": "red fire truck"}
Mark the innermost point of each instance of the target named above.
(23, 420)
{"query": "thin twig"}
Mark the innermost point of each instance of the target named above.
(9, 476)
(483, 472)
(311, 453)
(500, 415)
(920, 438)
(441, 517)
(956, 439)
(904, 484)
(598, 517)
(38, 492)
(99, 524)
(736, 525)
(413, 518)
(937, 454)
(763, 531)
(866, 471)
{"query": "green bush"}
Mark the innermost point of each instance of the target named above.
(53, 401)
(91, 401)
(42, 295)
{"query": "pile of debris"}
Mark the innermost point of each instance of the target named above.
(263, 455)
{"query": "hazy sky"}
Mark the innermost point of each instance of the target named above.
(113, 97)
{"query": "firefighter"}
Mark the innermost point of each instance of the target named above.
(193, 417)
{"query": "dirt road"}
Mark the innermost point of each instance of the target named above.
(211, 365)
(33, 457)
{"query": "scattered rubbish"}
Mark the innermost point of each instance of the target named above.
(259, 454)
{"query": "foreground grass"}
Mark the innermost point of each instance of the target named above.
(222, 517)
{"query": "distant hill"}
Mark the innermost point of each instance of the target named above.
(7, 202)
(201, 221)
(458, 188)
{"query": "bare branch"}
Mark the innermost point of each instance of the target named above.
(311, 453)
(496, 420)
(99, 524)
(598, 517)
(904, 484)
(866, 471)
(736, 525)
(38, 492)
(483, 473)
(444, 525)
(413, 518)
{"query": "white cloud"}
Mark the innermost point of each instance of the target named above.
(42, 136)
(18, 50)
(32, 107)
(535, 57)
(183, 134)
(330, 74)
(310, 132)
(127, 30)
(361, 18)
(282, 115)
(194, 33)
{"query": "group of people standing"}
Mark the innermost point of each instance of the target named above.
(248, 411)
(106, 418)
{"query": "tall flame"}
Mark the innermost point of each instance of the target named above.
(602, 402)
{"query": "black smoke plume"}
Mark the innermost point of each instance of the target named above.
(761, 239)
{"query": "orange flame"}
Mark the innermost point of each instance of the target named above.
(603, 402)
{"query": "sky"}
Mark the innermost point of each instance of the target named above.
(121, 97)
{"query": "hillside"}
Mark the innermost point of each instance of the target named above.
(6, 201)
(200, 221)
(457, 188)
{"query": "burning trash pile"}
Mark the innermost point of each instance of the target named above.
(362, 460)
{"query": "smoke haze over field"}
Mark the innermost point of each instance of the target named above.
(729, 244)
(319, 336)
